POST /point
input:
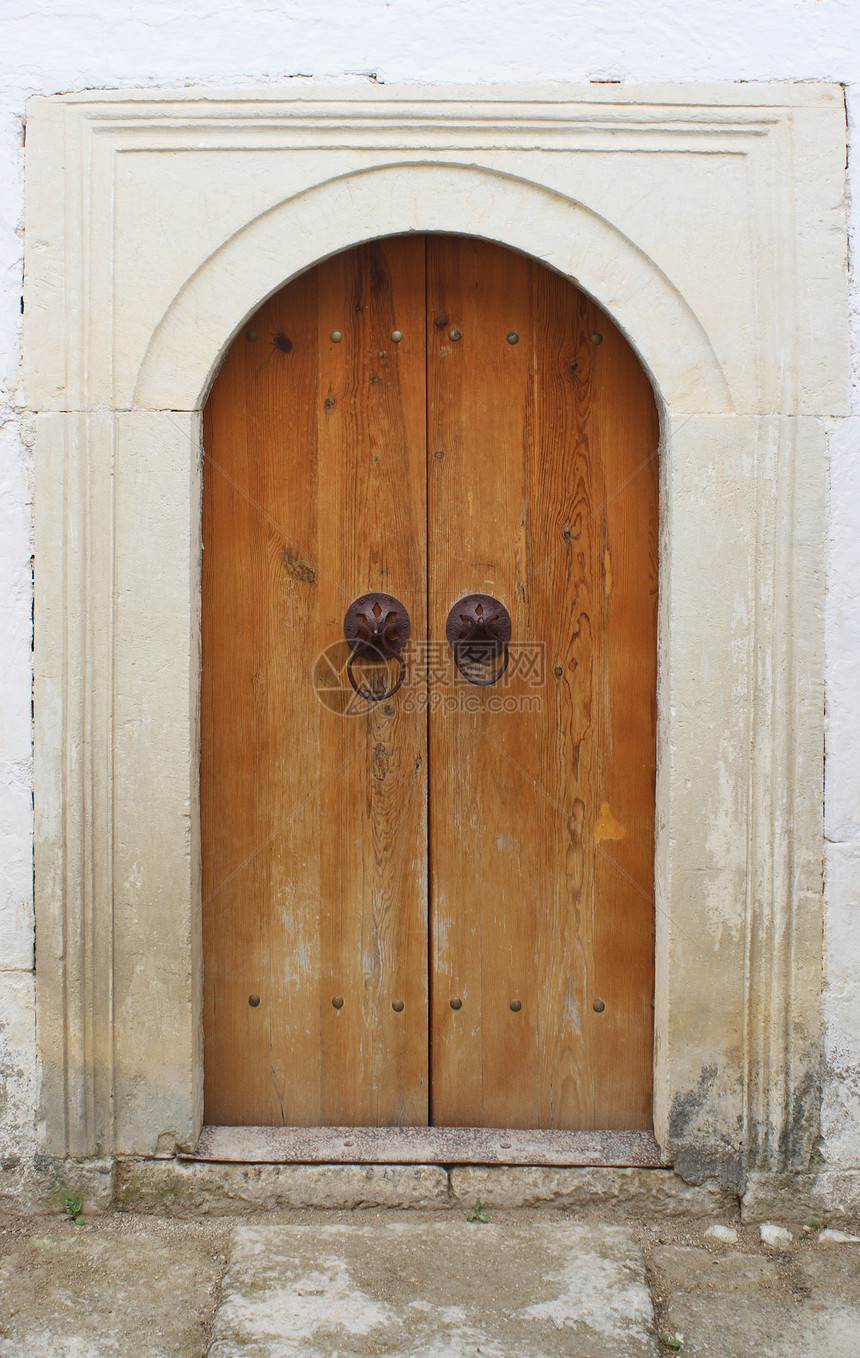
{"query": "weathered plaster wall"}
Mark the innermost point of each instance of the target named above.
(54, 46)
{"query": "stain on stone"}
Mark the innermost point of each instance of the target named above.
(379, 762)
(698, 1150)
(299, 569)
(714, 1162)
(687, 1107)
(802, 1134)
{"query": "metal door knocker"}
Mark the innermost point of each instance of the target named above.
(478, 630)
(377, 629)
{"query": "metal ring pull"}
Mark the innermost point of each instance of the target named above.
(375, 697)
(478, 629)
(377, 628)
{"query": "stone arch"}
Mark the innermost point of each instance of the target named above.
(268, 251)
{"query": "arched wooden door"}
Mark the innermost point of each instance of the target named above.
(436, 907)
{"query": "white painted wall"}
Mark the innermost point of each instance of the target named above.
(58, 45)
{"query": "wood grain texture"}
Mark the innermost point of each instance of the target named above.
(434, 466)
(542, 493)
(314, 822)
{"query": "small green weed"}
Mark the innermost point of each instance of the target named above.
(477, 1212)
(73, 1210)
(672, 1341)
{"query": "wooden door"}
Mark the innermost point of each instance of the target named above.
(542, 493)
(314, 823)
(506, 444)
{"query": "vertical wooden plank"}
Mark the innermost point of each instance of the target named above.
(542, 492)
(482, 928)
(625, 435)
(372, 444)
(261, 581)
(314, 822)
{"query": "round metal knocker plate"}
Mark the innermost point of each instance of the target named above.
(479, 617)
(377, 628)
(478, 631)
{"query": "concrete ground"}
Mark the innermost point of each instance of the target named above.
(523, 1284)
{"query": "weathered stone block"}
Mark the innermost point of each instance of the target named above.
(183, 1187)
(564, 1290)
(638, 1192)
(18, 1068)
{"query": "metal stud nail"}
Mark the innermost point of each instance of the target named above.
(251, 335)
(516, 1006)
(397, 336)
(253, 1000)
(456, 1004)
(597, 338)
(337, 1001)
(599, 1006)
(513, 337)
(455, 334)
(397, 1006)
(336, 337)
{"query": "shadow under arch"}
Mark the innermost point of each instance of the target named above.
(301, 231)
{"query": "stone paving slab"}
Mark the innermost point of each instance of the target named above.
(111, 1288)
(435, 1290)
(414, 1282)
(779, 1305)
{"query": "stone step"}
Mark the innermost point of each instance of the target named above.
(435, 1289)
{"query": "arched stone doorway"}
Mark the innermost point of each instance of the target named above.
(637, 195)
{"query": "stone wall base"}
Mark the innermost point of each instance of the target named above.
(187, 1188)
(41, 1186)
(830, 1197)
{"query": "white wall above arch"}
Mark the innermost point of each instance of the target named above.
(709, 222)
(442, 196)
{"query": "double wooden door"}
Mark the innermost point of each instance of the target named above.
(435, 907)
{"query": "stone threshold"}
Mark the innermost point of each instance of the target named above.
(426, 1146)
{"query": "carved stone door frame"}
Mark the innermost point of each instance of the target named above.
(708, 222)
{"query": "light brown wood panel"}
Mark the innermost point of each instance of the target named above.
(525, 470)
(542, 491)
(313, 821)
